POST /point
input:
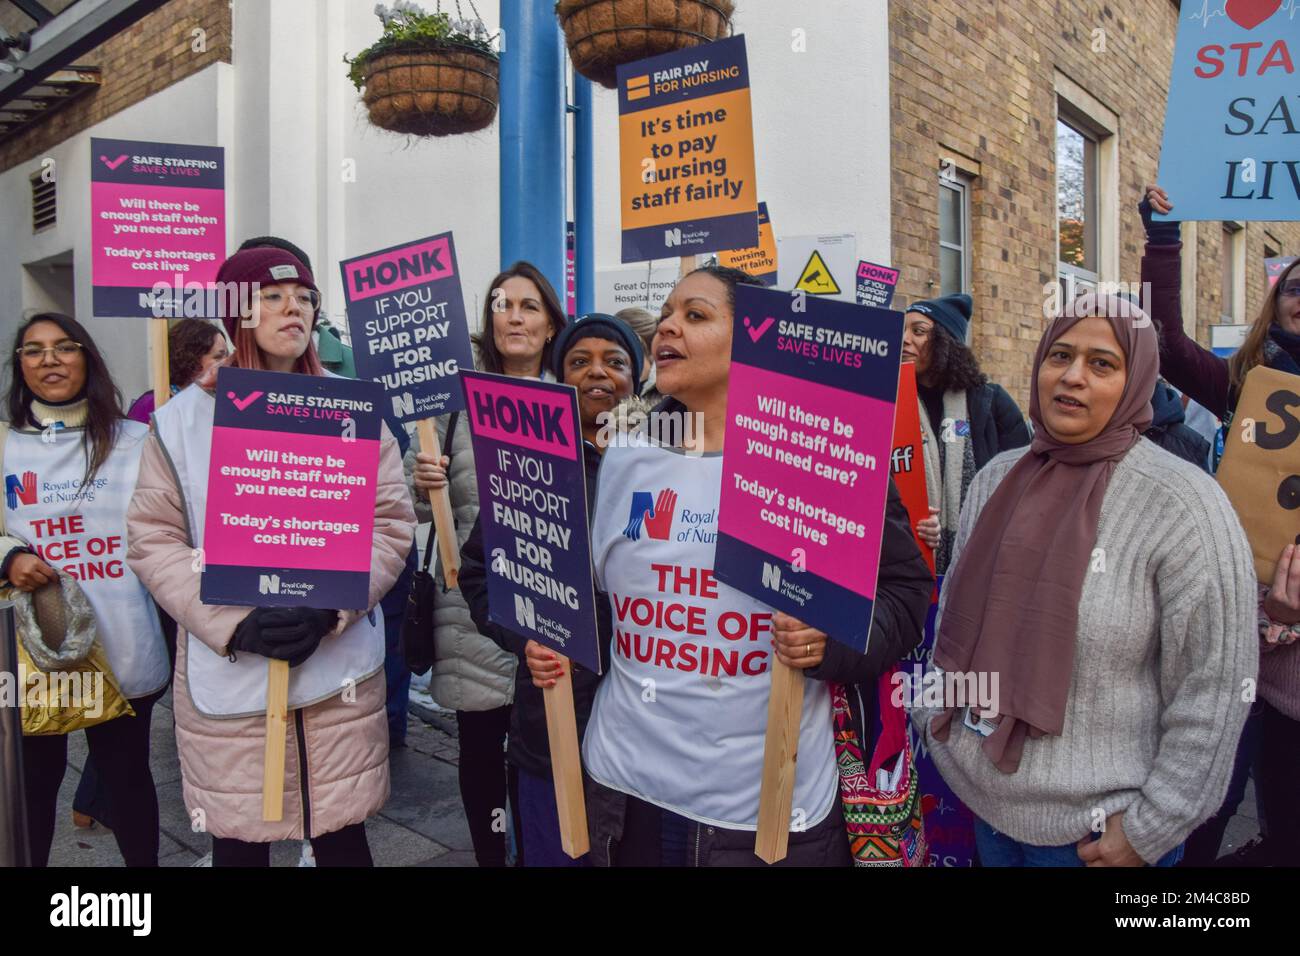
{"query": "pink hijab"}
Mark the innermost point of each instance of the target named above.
(1012, 607)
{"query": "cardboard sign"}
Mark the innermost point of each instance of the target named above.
(157, 228)
(644, 288)
(949, 823)
(876, 284)
(686, 147)
(819, 265)
(810, 419)
(760, 261)
(907, 463)
(409, 330)
(533, 510)
(1260, 471)
(1275, 266)
(1229, 147)
(291, 491)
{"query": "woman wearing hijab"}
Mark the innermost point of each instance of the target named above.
(1108, 588)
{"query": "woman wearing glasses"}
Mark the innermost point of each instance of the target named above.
(337, 756)
(72, 460)
(1272, 735)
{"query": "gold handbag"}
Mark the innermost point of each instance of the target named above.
(65, 682)
(64, 676)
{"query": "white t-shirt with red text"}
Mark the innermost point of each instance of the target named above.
(680, 719)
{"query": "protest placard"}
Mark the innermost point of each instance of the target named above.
(810, 418)
(1229, 149)
(410, 334)
(157, 227)
(1274, 266)
(759, 261)
(1260, 471)
(157, 236)
(949, 823)
(907, 460)
(876, 284)
(686, 147)
(533, 515)
(290, 510)
(291, 490)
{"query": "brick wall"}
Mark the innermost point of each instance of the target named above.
(142, 60)
(978, 79)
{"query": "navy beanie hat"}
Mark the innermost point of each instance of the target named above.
(603, 326)
(952, 312)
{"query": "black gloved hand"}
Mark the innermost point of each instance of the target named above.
(1162, 232)
(284, 633)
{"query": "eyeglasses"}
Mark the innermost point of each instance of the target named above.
(64, 352)
(1289, 291)
(308, 301)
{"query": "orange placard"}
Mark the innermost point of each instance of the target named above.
(907, 463)
(686, 153)
(760, 261)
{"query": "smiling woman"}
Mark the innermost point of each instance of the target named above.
(78, 457)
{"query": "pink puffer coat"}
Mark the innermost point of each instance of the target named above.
(345, 741)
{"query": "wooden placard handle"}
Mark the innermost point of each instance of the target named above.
(780, 755)
(443, 523)
(277, 726)
(566, 762)
(159, 362)
(687, 266)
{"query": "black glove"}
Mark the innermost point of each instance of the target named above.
(284, 633)
(1161, 233)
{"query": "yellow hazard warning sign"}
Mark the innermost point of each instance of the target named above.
(816, 277)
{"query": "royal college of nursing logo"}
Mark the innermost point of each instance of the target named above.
(20, 491)
(655, 513)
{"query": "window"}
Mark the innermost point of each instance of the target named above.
(1087, 190)
(1076, 201)
(1232, 278)
(954, 231)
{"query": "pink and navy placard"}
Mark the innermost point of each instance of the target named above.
(157, 225)
(532, 494)
(810, 418)
(291, 491)
(409, 331)
(876, 284)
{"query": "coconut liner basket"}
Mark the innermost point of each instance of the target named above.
(437, 89)
(604, 34)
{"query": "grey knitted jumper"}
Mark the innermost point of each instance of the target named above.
(1167, 649)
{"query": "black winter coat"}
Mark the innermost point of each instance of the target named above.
(996, 423)
(529, 746)
(1169, 429)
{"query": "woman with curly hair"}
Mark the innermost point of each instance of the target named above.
(965, 418)
(193, 347)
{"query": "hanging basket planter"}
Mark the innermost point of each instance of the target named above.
(432, 90)
(428, 75)
(604, 34)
